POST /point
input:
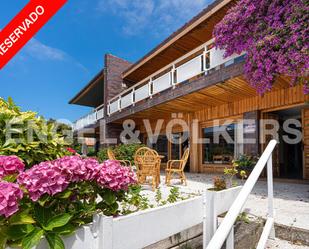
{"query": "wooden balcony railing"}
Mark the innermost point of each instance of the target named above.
(198, 61)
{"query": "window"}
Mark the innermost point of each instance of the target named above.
(160, 144)
(220, 149)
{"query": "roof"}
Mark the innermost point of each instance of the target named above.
(199, 19)
(92, 94)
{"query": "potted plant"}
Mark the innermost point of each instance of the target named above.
(219, 199)
(244, 165)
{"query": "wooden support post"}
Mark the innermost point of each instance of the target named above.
(194, 146)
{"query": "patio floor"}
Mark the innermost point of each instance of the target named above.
(291, 199)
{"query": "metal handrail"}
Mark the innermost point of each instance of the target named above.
(226, 226)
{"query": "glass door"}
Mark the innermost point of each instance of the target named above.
(179, 143)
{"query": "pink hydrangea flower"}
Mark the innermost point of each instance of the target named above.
(10, 165)
(115, 177)
(10, 194)
(78, 169)
(44, 178)
(54, 177)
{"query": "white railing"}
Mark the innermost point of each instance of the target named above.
(207, 58)
(227, 224)
(90, 118)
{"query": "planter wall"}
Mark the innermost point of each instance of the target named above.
(146, 228)
(218, 202)
(137, 230)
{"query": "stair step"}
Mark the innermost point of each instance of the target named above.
(283, 244)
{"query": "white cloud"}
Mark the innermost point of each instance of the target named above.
(154, 16)
(41, 51)
(38, 50)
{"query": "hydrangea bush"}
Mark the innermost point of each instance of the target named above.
(274, 34)
(10, 195)
(10, 165)
(53, 198)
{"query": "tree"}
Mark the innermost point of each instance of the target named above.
(274, 34)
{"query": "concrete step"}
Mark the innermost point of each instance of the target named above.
(283, 244)
(291, 233)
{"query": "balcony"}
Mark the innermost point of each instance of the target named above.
(89, 119)
(199, 61)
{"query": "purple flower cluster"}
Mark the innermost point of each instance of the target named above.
(10, 194)
(274, 34)
(10, 165)
(54, 177)
(115, 177)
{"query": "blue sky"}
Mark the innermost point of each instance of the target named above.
(68, 51)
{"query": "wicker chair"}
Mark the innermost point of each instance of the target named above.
(177, 167)
(111, 156)
(147, 162)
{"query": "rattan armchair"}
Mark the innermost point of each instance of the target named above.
(147, 162)
(111, 156)
(176, 167)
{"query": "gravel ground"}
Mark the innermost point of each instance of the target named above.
(283, 244)
(291, 200)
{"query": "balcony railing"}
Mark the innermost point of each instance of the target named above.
(196, 62)
(90, 118)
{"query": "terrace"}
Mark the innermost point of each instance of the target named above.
(200, 61)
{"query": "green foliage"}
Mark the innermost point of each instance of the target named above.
(91, 152)
(32, 239)
(60, 215)
(102, 155)
(243, 217)
(28, 136)
(174, 195)
(230, 173)
(158, 196)
(121, 151)
(134, 201)
(54, 241)
(244, 162)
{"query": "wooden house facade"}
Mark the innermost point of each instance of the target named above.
(184, 89)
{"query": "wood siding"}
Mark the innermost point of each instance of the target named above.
(282, 98)
(305, 121)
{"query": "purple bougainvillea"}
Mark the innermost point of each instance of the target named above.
(275, 36)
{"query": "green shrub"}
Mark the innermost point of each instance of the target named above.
(102, 154)
(28, 136)
(91, 152)
(121, 151)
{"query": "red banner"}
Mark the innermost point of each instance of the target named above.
(25, 25)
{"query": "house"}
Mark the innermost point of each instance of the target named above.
(184, 87)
